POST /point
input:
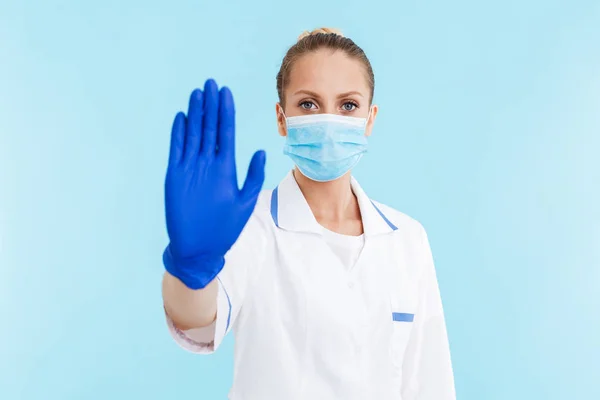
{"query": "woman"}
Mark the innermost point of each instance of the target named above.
(331, 295)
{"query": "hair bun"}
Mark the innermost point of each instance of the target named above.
(320, 30)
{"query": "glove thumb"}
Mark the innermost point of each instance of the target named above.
(255, 177)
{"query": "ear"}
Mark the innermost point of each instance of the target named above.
(371, 120)
(281, 127)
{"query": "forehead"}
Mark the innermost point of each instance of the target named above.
(327, 72)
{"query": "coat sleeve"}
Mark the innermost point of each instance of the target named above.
(242, 265)
(427, 368)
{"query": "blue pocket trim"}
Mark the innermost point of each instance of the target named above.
(402, 317)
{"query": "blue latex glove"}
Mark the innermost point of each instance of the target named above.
(205, 210)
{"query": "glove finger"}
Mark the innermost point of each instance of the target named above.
(193, 131)
(226, 129)
(255, 177)
(211, 118)
(177, 139)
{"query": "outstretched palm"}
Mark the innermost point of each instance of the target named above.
(205, 209)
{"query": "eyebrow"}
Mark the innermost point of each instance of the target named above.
(313, 94)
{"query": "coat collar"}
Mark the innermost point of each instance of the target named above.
(291, 212)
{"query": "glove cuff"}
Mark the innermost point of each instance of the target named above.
(195, 273)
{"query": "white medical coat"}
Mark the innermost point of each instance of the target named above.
(306, 327)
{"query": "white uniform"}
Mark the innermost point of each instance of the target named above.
(317, 316)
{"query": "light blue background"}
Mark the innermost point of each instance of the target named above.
(489, 134)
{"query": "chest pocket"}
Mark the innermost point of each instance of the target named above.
(402, 316)
(403, 299)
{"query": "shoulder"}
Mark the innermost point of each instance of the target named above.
(260, 222)
(412, 239)
(402, 221)
(262, 210)
(263, 204)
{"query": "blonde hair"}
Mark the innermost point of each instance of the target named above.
(311, 41)
(320, 30)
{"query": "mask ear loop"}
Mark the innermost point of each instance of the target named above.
(368, 116)
(284, 118)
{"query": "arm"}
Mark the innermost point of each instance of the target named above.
(199, 319)
(187, 308)
(427, 368)
(206, 214)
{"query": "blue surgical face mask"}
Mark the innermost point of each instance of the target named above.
(325, 147)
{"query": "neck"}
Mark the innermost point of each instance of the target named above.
(329, 201)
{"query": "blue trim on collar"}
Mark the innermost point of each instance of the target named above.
(274, 207)
(275, 210)
(394, 227)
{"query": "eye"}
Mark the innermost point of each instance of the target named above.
(349, 106)
(307, 105)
